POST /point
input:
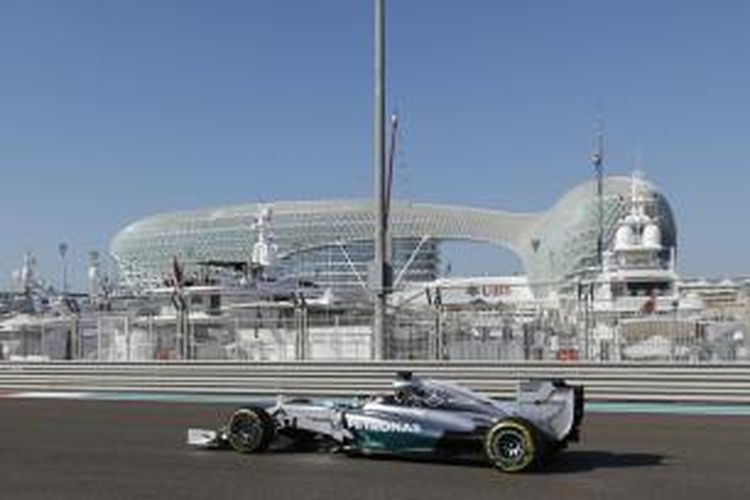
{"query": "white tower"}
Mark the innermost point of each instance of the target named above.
(95, 274)
(264, 250)
(638, 239)
(25, 277)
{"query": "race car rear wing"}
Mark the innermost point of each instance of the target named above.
(554, 404)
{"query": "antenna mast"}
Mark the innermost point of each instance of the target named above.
(597, 160)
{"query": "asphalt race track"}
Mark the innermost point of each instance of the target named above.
(115, 450)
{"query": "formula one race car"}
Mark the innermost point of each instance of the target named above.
(421, 418)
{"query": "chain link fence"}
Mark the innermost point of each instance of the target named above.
(288, 333)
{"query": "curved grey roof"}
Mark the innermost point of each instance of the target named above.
(550, 244)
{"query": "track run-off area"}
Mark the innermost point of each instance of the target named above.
(112, 448)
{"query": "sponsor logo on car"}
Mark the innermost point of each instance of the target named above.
(371, 424)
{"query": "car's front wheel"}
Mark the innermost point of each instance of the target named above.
(511, 445)
(250, 430)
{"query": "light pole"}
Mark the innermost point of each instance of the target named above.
(380, 276)
(675, 327)
(62, 249)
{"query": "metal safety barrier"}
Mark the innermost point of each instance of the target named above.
(728, 383)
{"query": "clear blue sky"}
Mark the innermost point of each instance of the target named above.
(112, 110)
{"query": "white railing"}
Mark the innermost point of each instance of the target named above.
(728, 383)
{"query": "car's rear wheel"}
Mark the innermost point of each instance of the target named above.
(512, 445)
(250, 430)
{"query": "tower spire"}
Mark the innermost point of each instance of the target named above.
(597, 161)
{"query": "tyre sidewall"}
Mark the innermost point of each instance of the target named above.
(519, 428)
(266, 425)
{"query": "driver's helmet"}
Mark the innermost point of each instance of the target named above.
(412, 392)
(404, 392)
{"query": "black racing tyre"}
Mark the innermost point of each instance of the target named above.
(250, 430)
(513, 445)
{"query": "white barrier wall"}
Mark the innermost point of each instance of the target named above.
(616, 382)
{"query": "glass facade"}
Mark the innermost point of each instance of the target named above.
(345, 266)
(329, 242)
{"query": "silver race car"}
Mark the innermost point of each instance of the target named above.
(421, 418)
